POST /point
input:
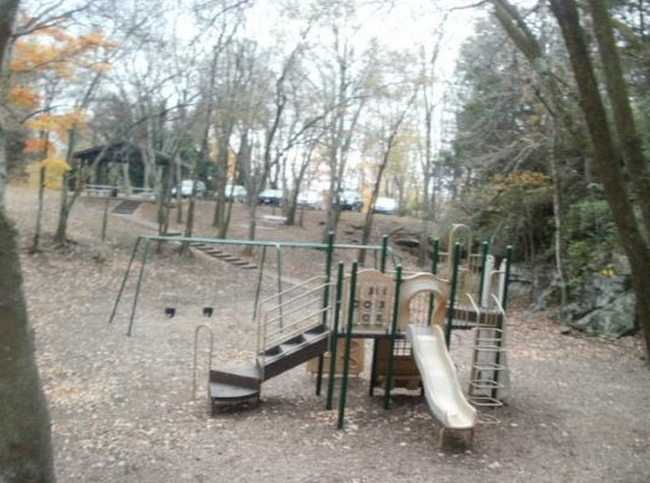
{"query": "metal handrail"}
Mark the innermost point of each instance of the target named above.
(270, 325)
(321, 279)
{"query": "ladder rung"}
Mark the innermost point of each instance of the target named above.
(485, 401)
(485, 385)
(489, 366)
(489, 349)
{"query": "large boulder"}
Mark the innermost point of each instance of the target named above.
(604, 306)
(615, 319)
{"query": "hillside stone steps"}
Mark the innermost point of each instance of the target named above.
(127, 207)
(219, 254)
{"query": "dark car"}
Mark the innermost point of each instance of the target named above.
(270, 197)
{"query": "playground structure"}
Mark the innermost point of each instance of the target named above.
(408, 316)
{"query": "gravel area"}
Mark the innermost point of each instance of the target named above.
(123, 410)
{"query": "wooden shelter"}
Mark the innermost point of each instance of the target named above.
(107, 169)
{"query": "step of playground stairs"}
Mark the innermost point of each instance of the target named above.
(316, 333)
(221, 392)
(223, 256)
(292, 353)
(234, 382)
(239, 262)
(291, 345)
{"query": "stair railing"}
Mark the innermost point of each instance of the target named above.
(302, 309)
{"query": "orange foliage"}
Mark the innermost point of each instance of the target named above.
(97, 39)
(522, 179)
(44, 122)
(101, 67)
(58, 123)
(23, 96)
(39, 145)
(52, 49)
(55, 52)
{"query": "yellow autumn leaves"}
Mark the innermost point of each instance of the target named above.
(51, 53)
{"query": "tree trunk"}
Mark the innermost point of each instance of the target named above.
(558, 218)
(39, 212)
(25, 450)
(64, 213)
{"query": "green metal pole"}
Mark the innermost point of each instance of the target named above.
(348, 341)
(137, 287)
(452, 295)
(326, 302)
(258, 290)
(278, 255)
(384, 253)
(334, 338)
(506, 285)
(393, 333)
(124, 279)
(435, 256)
(484, 257)
(434, 270)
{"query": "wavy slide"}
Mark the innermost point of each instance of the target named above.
(441, 388)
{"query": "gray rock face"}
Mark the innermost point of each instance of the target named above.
(605, 306)
(615, 319)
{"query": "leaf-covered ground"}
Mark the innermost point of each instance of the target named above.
(123, 410)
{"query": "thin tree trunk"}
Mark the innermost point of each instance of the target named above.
(39, 212)
(559, 225)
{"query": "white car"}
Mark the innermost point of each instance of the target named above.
(387, 206)
(236, 192)
(310, 199)
(186, 189)
(351, 201)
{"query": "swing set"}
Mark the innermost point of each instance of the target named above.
(144, 244)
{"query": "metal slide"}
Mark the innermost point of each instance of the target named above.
(441, 388)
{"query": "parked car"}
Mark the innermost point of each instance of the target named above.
(351, 201)
(270, 197)
(387, 206)
(186, 189)
(310, 199)
(236, 192)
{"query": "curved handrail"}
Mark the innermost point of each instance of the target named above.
(196, 340)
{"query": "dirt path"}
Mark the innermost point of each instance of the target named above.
(122, 407)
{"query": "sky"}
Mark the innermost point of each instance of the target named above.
(405, 25)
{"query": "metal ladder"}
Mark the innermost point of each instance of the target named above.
(489, 378)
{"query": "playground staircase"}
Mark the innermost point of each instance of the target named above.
(243, 383)
(127, 207)
(214, 252)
